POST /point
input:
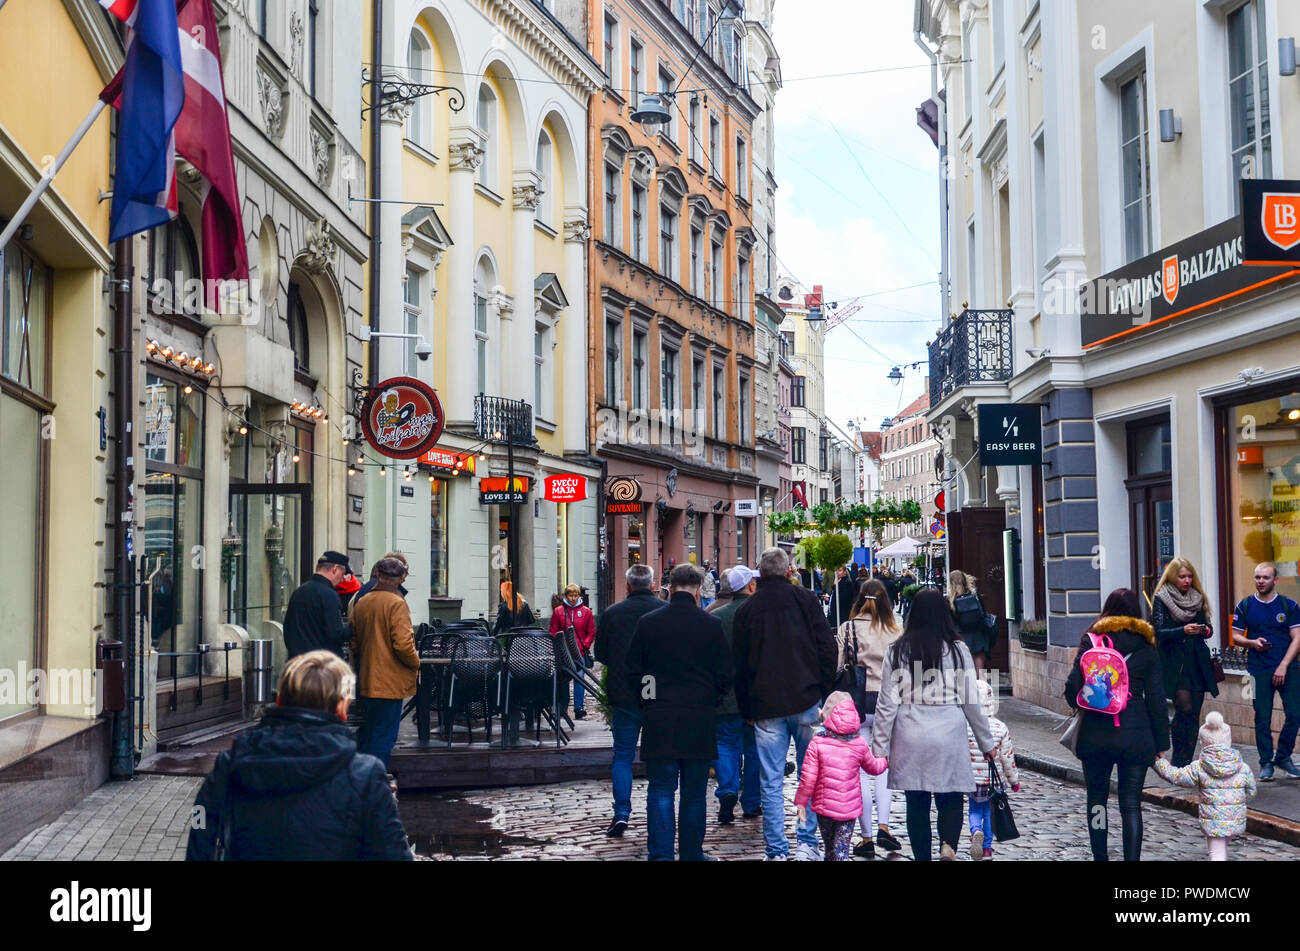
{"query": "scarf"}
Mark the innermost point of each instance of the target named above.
(846, 737)
(1181, 607)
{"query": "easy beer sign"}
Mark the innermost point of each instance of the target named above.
(1011, 434)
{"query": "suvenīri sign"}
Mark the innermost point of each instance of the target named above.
(1198, 272)
(402, 418)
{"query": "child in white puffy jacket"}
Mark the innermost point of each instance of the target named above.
(981, 830)
(1226, 784)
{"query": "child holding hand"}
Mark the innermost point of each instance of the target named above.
(1225, 781)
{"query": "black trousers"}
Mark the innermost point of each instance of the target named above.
(1096, 774)
(949, 805)
(1186, 724)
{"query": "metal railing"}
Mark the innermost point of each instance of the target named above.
(200, 652)
(513, 419)
(974, 348)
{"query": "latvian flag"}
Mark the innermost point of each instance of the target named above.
(800, 495)
(202, 135)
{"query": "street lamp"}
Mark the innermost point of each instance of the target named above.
(654, 109)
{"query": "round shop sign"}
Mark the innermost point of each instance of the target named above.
(402, 418)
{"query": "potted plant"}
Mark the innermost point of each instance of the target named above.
(1033, 635)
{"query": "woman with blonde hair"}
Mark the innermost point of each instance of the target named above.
(1180, 614)
(968, 613)
(871, 629)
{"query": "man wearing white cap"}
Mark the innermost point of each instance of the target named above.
(735, 736)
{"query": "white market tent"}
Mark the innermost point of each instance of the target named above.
(905, 547)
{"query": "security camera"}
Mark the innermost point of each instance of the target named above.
(423, 350)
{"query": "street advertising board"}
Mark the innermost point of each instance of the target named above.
(1011, 434)
(746, 508)
(493, 490)
(564, 488)
(401, 418)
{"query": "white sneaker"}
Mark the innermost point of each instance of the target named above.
(776, 858)
(807, 853)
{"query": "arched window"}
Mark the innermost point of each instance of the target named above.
(486, 117)
(484, 281)
(174, 277)
(544, 152)
(299, 341)
(419, 63)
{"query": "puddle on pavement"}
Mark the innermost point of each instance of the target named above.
(447, 826)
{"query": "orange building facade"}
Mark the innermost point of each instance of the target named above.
(671, 281)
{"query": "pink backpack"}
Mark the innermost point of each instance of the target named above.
(1105, 678)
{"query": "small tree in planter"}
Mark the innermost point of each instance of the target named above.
(1033, 634)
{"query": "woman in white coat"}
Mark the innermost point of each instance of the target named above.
(927, 698)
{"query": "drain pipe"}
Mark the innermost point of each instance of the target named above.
(942, 108)
(376, 92)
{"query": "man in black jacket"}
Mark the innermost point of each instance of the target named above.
(614, 632)
(313, 620)
(678, 662)
(295, 788)
(843, 596)
(785, 657)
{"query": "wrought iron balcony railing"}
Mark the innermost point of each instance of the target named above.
(974, 348)
(512, 419)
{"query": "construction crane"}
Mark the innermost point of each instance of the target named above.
(840, 314)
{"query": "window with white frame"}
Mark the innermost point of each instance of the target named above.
(697, 261)
(486, 117)
(742, 308)
(1135, 167)
(968, 70)
(412, 309)
(636, 67)
(638, 221)
(541, 400)
(742, 169)
(667, 242)
(719, 401)
(611, 49)
(640, 370)
(669, 128)
(693, 111)
(715, 147)
(996, 10)
(1248, 107)
(484, 281)
(697, 393)
(715, 272)
(1040, 216)
(419, 62)
(613, 217)
(743, 408)
(613, 360)
(970, 260)
(546, 186)
(668, 402)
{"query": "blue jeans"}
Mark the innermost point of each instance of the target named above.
(981, 822)
(737, 762)
(378, 733)
(1290, 693)
(663, 824)
(772, 738)
(626, 726)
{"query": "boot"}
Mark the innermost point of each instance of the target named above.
(726, 810)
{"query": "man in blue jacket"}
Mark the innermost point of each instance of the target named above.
(1269, 624)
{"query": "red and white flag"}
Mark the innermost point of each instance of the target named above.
(202, 134)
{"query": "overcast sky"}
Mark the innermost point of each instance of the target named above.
(835, 139)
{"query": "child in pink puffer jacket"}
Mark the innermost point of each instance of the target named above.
(829, 778)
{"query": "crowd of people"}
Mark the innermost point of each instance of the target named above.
(726, 673)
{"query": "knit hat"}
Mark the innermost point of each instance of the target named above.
(1214, 732)
(836, 698)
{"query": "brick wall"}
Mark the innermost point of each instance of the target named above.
(1070, 515)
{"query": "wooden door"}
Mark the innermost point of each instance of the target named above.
(975, 547)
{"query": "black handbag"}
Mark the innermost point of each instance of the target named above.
(1004, 824)
(847, 678)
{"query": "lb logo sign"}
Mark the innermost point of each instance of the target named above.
(402, 418)
(1270, 221)
(1170, 281)
(564, 488)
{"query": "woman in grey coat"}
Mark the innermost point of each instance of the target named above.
(920, 724)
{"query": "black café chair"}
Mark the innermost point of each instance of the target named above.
(474, 686)
(531, 684)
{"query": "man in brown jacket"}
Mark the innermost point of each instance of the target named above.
(387, 661)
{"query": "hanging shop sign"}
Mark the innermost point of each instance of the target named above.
(457, 462)
(1198, 272)
(402, 418)
(622, 496)
(939, 501)
(1011, 434)
(936, 529)
(496, 491)
(746, 508)
(1270, 222)
(564, 488)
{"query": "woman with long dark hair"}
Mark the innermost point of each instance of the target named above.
(1128, 740)
(1181, 616)
(927, 699)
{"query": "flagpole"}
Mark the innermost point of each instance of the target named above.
(46, 177)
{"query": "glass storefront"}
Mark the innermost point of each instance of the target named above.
(1263, 492)
(636, 538)
(438, 539)
(692, 539)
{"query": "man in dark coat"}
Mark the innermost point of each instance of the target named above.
(843, 595)
(294, 788)
(614, 631)
(785, 658)
(737, 764)
(313, 619)
(678, 662)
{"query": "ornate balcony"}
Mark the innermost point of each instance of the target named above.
(513, 419)
(975, 348)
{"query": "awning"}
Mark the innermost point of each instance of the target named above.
(905, 547)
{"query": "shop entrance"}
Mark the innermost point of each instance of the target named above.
(1150, 501)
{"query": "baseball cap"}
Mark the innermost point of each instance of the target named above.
(337, 558)
(739, 576)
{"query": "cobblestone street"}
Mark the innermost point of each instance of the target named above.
(147, 818)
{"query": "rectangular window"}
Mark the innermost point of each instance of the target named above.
(539, 360)
(636, 65)
(481, 339)
(668, 381)
(823, 446)
(971, 293)
(742, 309)
(719, 392)
(313, 15)
(613, 365)
(611, 48)
(261, 17)
(697, 265)
(613, 225)
(697, 388)
(742, 170)
(968, 71)
(715, 148)
(797, 391)
(715, 276)
(798, 445)
(996, 8)
(742, 556)
(411, 307)
(24, 317)
(20, 513)
(638, 222)
(666, 94)
(667, 243)
(640, 372)
(1249, 118)
(694, 144)
(439, 538)
(1135, 166)
(743, 410)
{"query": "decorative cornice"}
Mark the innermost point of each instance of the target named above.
(537, 37)
(465, 156)
(321, 250)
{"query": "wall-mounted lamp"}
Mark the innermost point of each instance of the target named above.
(1286, 55)
(1171, 126)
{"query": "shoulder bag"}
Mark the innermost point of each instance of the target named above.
(850, 678)
(1004, 824)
